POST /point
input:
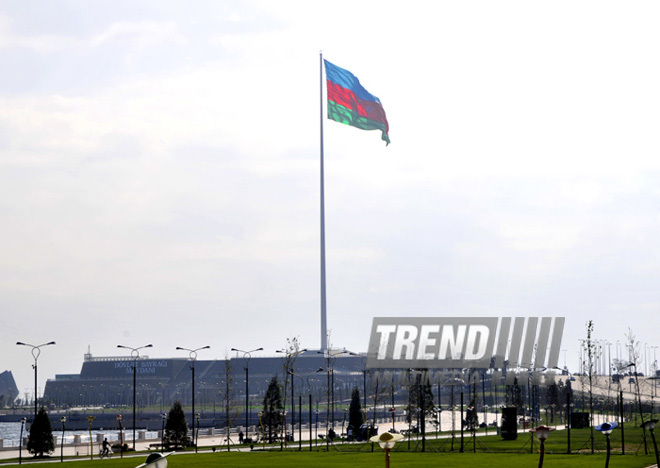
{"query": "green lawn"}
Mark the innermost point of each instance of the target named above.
(557, 443)
(335, 459)
(491, 451)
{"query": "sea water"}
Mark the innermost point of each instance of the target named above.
(10, 433)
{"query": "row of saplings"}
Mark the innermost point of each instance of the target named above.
(41, 441)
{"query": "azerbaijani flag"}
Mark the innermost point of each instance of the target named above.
(349, 103)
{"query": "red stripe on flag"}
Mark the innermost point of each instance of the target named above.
(345, 97)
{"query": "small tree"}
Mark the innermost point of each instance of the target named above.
(552, 395)
(176, 427)
(471, 416)
(227, 393)
(635, 358)
(40, 440)
(291, 352)
(355, 416)
(420, 397)
(379, 385)
(592, 354)
(514, 395)
(273, 409)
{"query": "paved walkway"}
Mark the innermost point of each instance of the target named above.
(207, 442)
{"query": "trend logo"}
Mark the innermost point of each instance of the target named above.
(459, 342)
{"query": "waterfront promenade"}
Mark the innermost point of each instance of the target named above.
(218, 440)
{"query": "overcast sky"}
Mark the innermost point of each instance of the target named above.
(159, 172)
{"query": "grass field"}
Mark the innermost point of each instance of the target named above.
(376, 459)
(489, 451)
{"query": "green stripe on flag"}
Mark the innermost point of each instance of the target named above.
(341, 114)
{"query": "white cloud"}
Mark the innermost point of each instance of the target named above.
(140, 35)
(41, 43)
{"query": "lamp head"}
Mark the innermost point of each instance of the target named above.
(650, 424)
(156, 460)
(607, 427)
(542, 432)
(386, 440)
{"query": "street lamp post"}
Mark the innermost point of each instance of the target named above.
(20, 442)
(542, 432)
(606, 428)
(331, 357)
(62, 420)
(386, 442)
(299, 422)
(462, 449)
(90, 419)
(135, 354)
(290, 355)
(310, 418)
(327, 408)
(293, 409)
(162, 432)
(247, 355)
(36, 351)
(293, 374)
(121, 437)
(650, 426)
(196, 433)
(192, 354)
(452, 383)
(316, 428)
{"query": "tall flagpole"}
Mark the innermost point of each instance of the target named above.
(324, 332)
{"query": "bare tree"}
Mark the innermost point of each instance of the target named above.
(591, 354)
(291, 352)
(380, 385)
(227, 394)
(634, 354)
